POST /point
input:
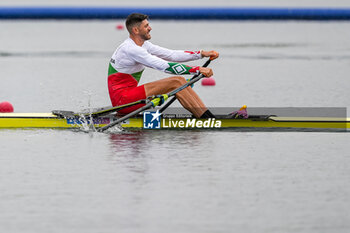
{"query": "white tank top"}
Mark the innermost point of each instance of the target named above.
(130, 58)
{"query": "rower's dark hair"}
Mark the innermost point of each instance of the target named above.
(133, 19)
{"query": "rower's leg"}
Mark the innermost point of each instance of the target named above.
(187, 97)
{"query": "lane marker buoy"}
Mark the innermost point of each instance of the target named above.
(208, 81)
(6, 107)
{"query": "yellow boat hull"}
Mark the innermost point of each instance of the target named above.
(49, 120)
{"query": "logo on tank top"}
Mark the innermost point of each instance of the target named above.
(151, 120)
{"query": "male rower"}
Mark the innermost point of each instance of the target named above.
(129, 61)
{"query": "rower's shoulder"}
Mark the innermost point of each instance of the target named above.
(127, 46)
(149, 45)
(130, 49)
(126, 43)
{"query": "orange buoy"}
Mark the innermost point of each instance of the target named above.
(208, 81)
(6, 107)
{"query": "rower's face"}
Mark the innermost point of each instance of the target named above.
(144, 30)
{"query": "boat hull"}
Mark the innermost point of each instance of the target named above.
(49, 120)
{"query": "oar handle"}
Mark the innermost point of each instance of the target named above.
(205, 65)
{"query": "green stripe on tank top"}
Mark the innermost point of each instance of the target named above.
(136, 75)
(111, 70)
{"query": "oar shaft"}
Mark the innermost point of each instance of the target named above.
(137, 111)
(185, 85)
(116, 108)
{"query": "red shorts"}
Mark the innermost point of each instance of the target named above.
(123, 89)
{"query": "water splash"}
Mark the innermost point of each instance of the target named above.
(115, 129)
(86, 122)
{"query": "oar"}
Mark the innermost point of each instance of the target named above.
(158, 100)
(174, 98)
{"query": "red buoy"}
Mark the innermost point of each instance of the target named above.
(208, 81)
(119, 26)
(6, 107)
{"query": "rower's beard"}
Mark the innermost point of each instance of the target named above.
(146, 37)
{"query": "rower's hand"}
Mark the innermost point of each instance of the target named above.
(207, 72)
(212, 54)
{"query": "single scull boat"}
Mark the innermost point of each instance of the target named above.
(69, 120)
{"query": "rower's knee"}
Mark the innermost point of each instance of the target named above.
(178, 81)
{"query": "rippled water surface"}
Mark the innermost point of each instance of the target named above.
(178, 180)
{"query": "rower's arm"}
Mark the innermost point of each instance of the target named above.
(142, 56)
(177, 68)
(172, 55)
